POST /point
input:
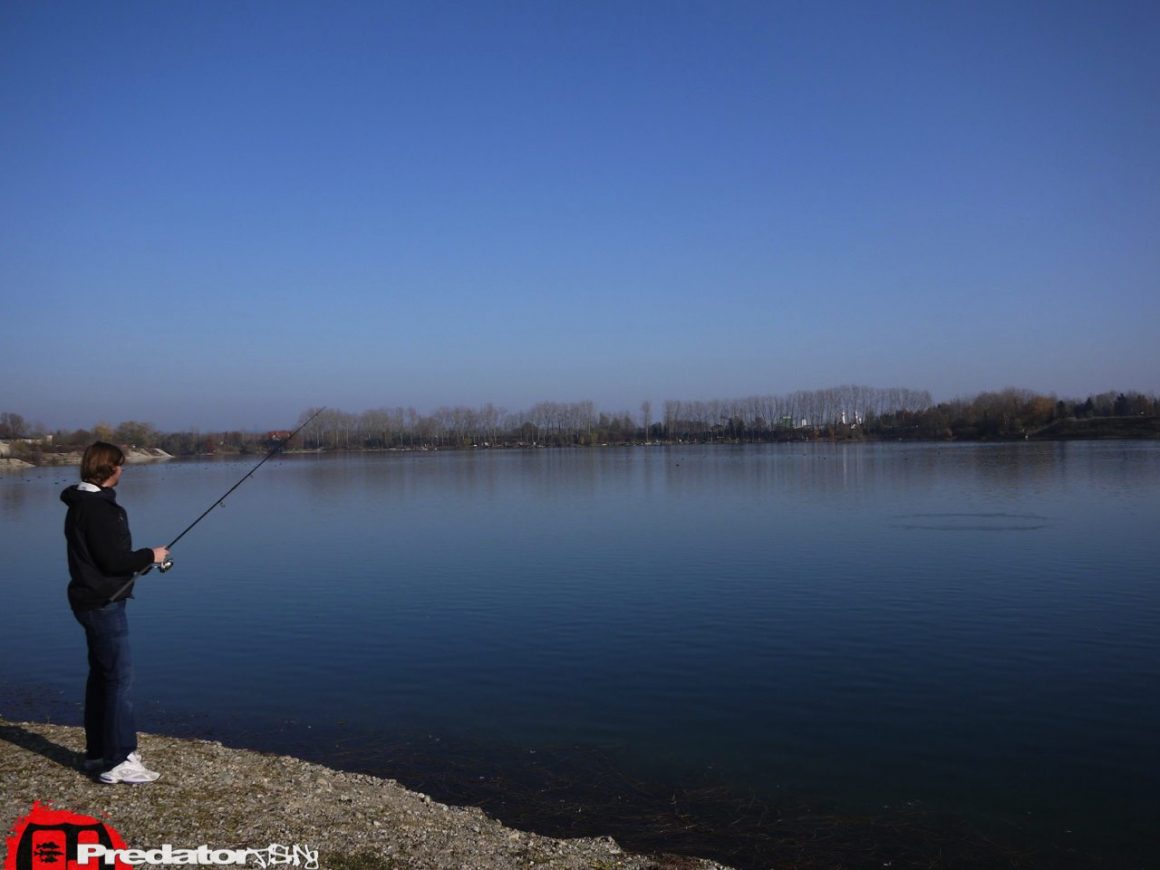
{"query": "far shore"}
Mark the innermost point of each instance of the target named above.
(133, 455)
(1070, 429)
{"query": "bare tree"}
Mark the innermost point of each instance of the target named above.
(12, 425)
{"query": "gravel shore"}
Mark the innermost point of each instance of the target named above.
(235, 799)
(133, 456)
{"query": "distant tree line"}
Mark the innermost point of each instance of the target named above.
(554, 424)
(839, 413)
(845, 413)
(1014, 413)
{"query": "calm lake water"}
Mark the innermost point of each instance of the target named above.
(974, 629)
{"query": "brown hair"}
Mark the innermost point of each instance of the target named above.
(100, 462)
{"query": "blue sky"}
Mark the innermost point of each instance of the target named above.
(216, 214)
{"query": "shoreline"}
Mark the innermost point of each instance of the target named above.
(228, 798)
(210, 794)
(1064, 430)
(133, 456)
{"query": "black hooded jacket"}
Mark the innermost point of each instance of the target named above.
(101, 558)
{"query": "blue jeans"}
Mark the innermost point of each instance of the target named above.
(110, 729)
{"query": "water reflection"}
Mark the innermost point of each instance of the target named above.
(12, 500)
(979, 522)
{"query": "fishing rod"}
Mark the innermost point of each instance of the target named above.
(168, 563)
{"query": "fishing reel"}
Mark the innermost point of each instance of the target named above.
(160, 566)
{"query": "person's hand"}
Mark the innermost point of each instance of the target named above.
(160, 554)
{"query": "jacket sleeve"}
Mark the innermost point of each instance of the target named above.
(109, 543)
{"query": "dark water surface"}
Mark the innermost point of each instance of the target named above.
(970, 631)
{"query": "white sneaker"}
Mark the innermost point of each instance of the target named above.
(131, 770)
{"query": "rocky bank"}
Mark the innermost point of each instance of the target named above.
(226, 798)
(133, 455)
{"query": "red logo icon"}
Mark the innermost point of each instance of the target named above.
(47, 839)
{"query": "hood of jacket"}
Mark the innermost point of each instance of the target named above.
(74, 494)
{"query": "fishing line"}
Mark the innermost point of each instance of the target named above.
(168, 563)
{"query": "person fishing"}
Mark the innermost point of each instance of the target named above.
(101, 562)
